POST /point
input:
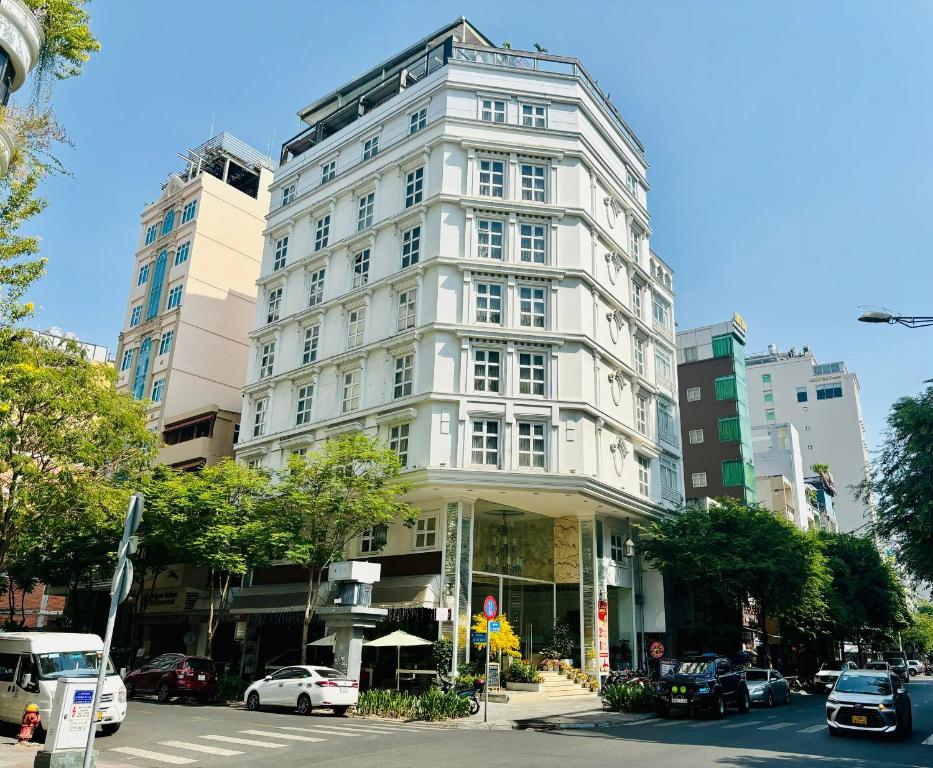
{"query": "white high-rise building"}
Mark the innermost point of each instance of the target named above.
(823, 403)
(457, 261)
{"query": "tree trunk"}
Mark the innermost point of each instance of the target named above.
(314, 588)
(763, 620)
(213, 619)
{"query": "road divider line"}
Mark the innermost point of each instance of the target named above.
(776, 726)
(157, 756)
(812, 729)
(205, 748)
(287, 736)
(244, 742)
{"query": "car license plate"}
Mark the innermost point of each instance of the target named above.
(679, 700)
(859, 719)
(202, 677)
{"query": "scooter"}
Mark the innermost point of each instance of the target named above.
(466, 692)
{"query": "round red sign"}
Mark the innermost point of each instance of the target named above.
(490, 607)
(656, 650)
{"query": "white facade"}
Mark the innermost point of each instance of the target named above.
(472, 304)
(824, 405)
(777, 454)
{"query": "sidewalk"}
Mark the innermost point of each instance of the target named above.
(545, 716)
(12, 756)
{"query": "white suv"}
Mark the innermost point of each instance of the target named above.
(914, 667)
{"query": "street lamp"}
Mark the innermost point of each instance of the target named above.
(887, 317)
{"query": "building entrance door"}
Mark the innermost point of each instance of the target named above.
(528, 604)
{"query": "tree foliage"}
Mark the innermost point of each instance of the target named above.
(918, 637)
(69, 41)
(504, 642)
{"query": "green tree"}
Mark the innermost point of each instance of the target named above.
(901, 484)
(918, 637)
(334, 494)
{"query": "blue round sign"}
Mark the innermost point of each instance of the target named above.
(490, 607)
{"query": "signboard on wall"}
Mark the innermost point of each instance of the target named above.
(602, 615)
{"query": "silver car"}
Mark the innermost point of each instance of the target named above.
(767, 686)
(869, 700)
(825, 679)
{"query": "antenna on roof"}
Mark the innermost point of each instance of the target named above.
(211, 134)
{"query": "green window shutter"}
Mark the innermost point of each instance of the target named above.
(725, 388)
(750, 481)
(722, 346)
(729, 429)
(733, 473)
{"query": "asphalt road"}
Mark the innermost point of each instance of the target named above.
(791, 736)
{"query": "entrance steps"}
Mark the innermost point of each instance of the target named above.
(556, 687)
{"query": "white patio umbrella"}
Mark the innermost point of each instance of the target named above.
(398, 639)
(327, 641)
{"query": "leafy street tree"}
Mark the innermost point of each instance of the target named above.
(334, 494)
(901, 484)
(918, 637)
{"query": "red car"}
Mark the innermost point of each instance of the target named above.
(174, 675)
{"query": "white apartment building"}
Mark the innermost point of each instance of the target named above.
(823, 403)
(457, 260)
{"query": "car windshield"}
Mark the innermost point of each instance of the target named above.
(756, 674)
(876, 685)
(878, 665)
(692, 667)
(330, 674)
(71, 664)
(200, 665)
(833, 666)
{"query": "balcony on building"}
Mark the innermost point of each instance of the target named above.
(21, 40)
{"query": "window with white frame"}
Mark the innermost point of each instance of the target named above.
(641, 414)
(404, 375)
(632, 183)
(695, 436)
(165, 343)
(668, 474)
(411, 246)
(417, 120)
(486, 370)
(489, 303)
(665, 413)
(691, 354)
(288, 193)
(637, 290)
(316, 288)
(531, 373)
(158, 390)
(694, 394)
(533, 182)
(644, 474)
(299, 452)
(635, 236)
(309, 345)
(187, 213)
(254, 463)
(661, 311)
(136, 316)
(533, 239)
(350, 400)
(532, 306)
(322, 232)
(698, 479)
(398, 441)
(489, 239)
(414, 187)
(485, 450)
(260, 412)
(638, 354)
(662, 364)
(492, 110)
(151, 233)
(143, 274)
(534, 115)
(174, 298)
(328, 171)
(361, 268)
(127, 359)
(364, 214)
(492, 178)
(370, 147)
(531, 444)
(425, 532)
(373, 539)
(266, 359)
(274, 305)
(356, 327)
(407, 305)
(182, 253)
(303, 404)
(617, 547)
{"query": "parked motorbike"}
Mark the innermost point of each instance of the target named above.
(471, 692)
(801, 683)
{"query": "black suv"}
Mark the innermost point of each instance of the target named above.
(706, 682)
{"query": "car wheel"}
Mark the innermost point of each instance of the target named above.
(745, 702)
(252, 701)
(163, 694)
(304, 704)
(109, 729)
(662, 710)
(770, 698)
(341, 711)
(719, 708)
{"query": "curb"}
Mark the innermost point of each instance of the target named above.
(543, 725)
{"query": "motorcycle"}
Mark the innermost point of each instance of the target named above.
(471, 692)
(801, 683)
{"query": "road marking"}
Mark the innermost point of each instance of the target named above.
(745, 724)
(158, 756)
(776, 726)
(206, 748)
(663, 723)
(244, 742)
(325, 731)
(928, 741)
(288, 736)
(705, 724)
(812, 729)
(364, 729)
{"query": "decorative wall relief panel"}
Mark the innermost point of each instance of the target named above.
(566, 550)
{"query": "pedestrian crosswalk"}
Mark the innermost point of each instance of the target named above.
(265, 736)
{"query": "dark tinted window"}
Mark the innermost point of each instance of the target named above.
(756, 674)
(723, 668)
(834, 665)
(878, 685)
(200, 665)
(8, 662)
(285, 674)
(330, 674)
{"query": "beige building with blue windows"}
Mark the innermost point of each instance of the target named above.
(184, 344)
(457, 260)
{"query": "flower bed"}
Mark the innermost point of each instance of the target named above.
(401, 705)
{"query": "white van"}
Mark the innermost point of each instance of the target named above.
(31, 662)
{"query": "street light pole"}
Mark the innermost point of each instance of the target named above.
(887, 317)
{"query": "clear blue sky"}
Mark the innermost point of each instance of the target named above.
(790, 143)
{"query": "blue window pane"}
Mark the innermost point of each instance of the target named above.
(802, 396)
(169, 224)
(155, 292)
(142, 369)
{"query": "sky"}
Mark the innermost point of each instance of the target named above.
(790, 146)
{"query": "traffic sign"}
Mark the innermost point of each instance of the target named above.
(490, 607)
(656, 650)
(479, 637)
(493, 626)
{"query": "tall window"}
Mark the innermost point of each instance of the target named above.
(165, 344)
(641, 414)
(151, 233)
(489, 303)
(661, 311)
(486, 370)
(531, 306)
(316, 288)
(174, 298)
(328, 171)
(636, 298)
(364, 215)
(417, 120)
(259, 417)
(644, 474)
(531, 373)
(492, 178)
(533, 239)
(127, 361)
(411, 246)
(632, 183)
(492, 111)
(303, 404)
(486, 442)
(665, 416)
(158, 390)
(534, 115)
(351, 391)
(414, 187)
(154, 302)
(635, 236)
(356, 326)
(426, 532)
(274, 305)
(531, 444)
(662, 364)
(309, 347)
(489, 239)
(168, 223)
(322, 232)
(768, 395)
(281, 251)
(361, 268)
(181, 255)
(398, 442)
(288, 193)
(404, 369)
(691, 354)
(638, 354)
(533, 182)
(266, 359)
(187, 213)
(373, 539)
(407, 304)
(370, 147)
(617, 547)
(143, 274)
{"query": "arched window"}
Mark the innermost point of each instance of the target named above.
(155, 291)
(142, 369)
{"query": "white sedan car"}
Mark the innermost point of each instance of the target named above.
(304, 688)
